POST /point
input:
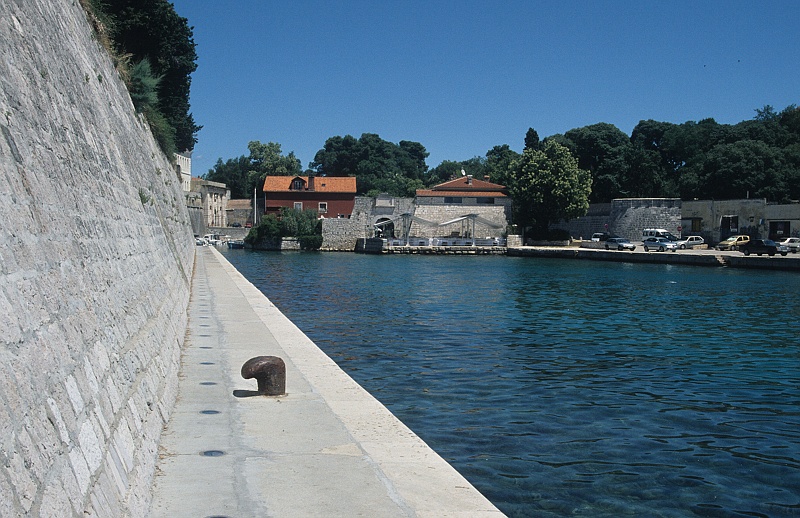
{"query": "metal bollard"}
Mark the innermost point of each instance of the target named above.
(269, 372)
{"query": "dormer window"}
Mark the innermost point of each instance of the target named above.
(297, 184)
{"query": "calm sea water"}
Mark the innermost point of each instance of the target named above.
(570, 387)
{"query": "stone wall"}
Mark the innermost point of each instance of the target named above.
(95, 269)
(595, 220)
(342, 234)
(629, 216)
(626, 217)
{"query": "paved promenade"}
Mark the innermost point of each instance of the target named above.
(327, 448)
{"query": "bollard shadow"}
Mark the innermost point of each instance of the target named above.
(246, 393)
(252, 393)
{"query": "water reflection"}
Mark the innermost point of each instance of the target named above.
(570, 387)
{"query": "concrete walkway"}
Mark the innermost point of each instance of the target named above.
(327, 448)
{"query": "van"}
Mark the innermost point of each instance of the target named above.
(658, 232)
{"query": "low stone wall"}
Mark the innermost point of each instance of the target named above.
(277, 245)
(341, 234)
(97, 257)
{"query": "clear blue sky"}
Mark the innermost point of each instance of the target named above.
(463, 76)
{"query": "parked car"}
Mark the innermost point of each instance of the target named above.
(619, 243)
(600, 236)
(733, 242)
(659, 244)
(690, 242)
(760, 247)
(792, 243)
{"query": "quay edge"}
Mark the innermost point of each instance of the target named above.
(683, 257)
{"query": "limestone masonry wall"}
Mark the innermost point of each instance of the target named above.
(95, 265)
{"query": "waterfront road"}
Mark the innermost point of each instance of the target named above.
(326, 448)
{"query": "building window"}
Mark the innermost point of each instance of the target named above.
(323, 207)
(297, 184)
(452, 199)
(485, 201)
(298, 205)
(697, 224)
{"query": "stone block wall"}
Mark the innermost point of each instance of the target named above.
(342, 234)
(629, 216)
(95, 269)
(595, 220)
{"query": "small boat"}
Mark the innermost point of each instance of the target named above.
(236, 243)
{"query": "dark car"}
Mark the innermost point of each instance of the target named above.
(760, 247)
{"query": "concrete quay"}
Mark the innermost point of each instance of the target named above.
(714, 258)
(326, 448)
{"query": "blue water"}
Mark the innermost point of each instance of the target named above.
(570, 387)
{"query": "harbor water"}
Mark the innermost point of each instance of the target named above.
(570, 387)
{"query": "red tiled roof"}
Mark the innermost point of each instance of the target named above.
(465, 186)
(477, 194)
(321, 183)
(468, 184)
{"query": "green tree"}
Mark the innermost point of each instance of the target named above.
(268, 160)
(152, 30)
(498, 164)
(378, 165)
(531, 139)
(548, 187)
(747, 168)
(235, 173)
(600, 149)
(143, 86)
(443, 172)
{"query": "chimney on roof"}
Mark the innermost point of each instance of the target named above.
(486, 177)
(310, 183)
(469, 179)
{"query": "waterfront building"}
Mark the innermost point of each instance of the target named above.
(331, 197)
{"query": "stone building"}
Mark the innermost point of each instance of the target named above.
(213, 199)
(716, 220)
(331, 197)
(240, 212)
(471, 205)
(487, 204)
(183, 163)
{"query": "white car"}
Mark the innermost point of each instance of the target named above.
(690, 242)
(792, 243)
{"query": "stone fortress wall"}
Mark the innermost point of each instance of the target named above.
(626, 217)
(95, 267)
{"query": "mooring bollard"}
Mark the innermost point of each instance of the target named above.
(269, 372)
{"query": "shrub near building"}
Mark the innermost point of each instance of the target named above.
(303, 225)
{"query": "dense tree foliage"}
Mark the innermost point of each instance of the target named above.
(548, 186)
(151, 31)
(704, 159)
(246, 173)
(378, 165)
